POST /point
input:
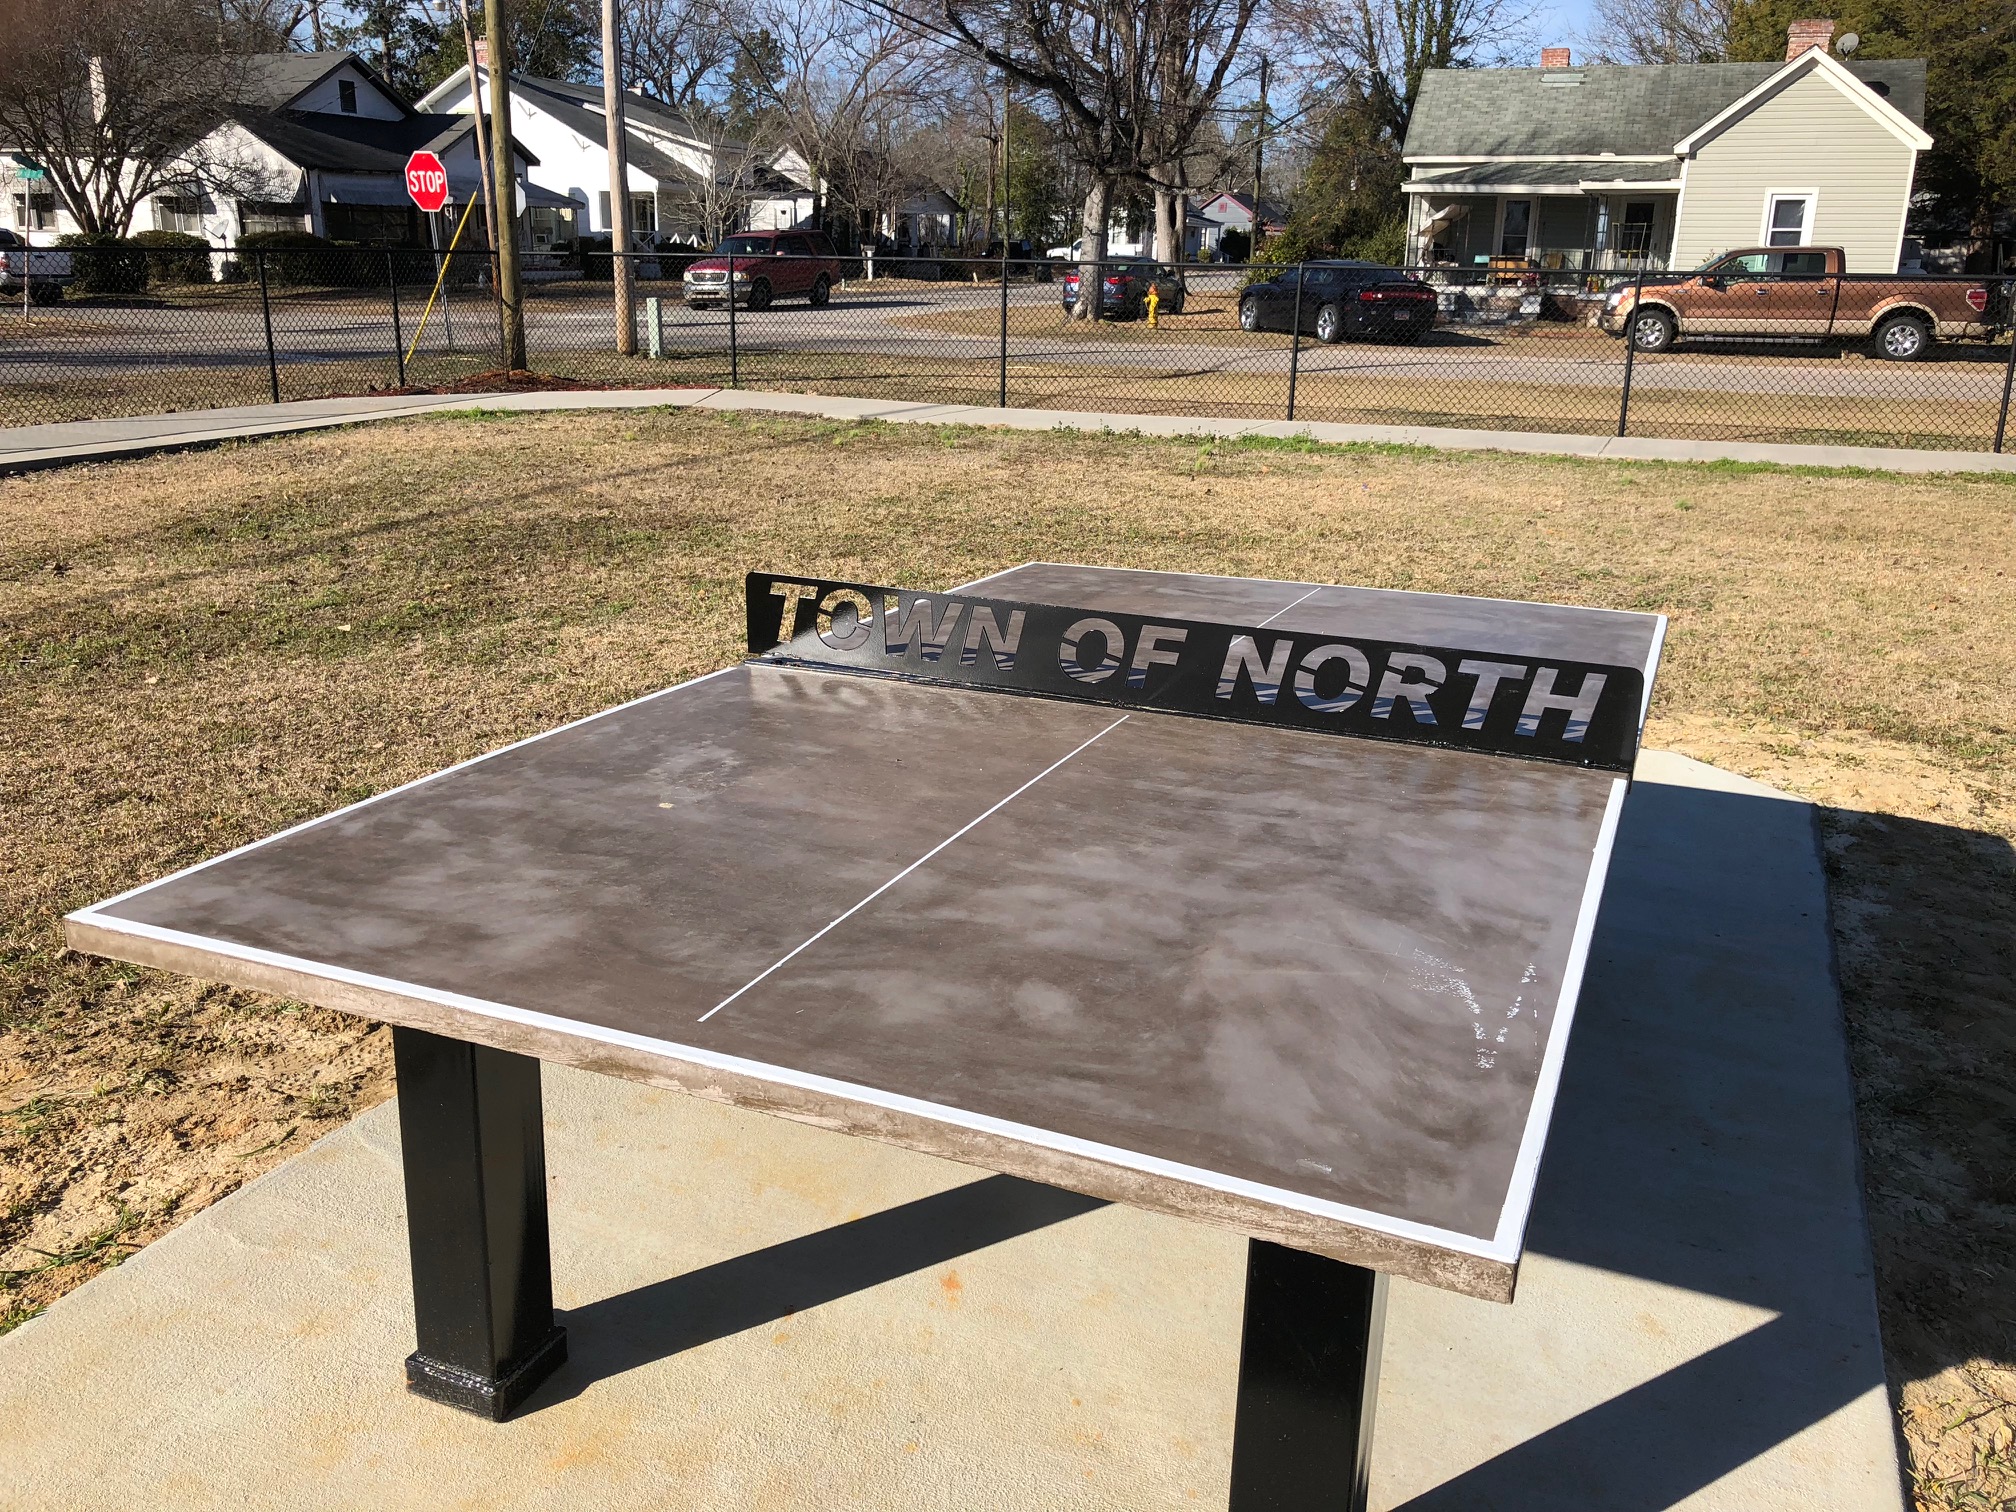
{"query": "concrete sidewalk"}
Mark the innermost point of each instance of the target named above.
(27, 448)
(767, 1315)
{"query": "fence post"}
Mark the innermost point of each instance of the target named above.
(266, 313)
(1295, 343)
(734, 352)
(654, 326)
(1630, 353)
(1004, 322)
(398, 336)
(2008, 367)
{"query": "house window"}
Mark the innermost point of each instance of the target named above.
(1788, 219)
(1517, 230)
(346, 96)
(643, 213)
(35, 212)
(258, 216)
(179, 212)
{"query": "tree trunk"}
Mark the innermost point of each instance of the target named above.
(1168, 226)
(1091, 276)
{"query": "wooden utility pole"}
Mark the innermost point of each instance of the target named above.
(504, 185)
(619, 185)
(482, 130)
(1259, 159)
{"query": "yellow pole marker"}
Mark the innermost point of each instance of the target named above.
(439, 279)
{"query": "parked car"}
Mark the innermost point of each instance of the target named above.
(762, 267)
(47, 269)
(1342, 299)
(1804, 293)
(1124, 288)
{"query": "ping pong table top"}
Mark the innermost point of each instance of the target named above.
(1314, 988)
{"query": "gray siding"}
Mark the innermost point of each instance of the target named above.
(1807, 136)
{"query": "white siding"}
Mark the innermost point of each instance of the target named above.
(1808, 136)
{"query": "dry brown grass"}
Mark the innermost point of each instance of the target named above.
(199, 649)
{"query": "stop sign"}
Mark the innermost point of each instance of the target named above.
(427, 181)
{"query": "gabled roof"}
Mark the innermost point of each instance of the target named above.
(645, 156)
(638, 109)
(274, 80)
(1814, 60)
(1632, 110)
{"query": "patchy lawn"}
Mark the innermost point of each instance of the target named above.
(200, 649)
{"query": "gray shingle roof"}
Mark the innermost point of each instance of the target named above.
(1629, 109)
(636, 107)
(356, 144)
(644, 156)
(272, 79)
(1566, 174)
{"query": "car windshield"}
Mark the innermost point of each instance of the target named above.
(746, 246)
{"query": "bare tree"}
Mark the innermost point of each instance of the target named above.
(1659, 31)
(114, 98)
(1372, 53)
(1132, 82)
(837, 81)
(679, 51)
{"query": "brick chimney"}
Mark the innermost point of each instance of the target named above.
(483, 48)
(1804, 36)
(1558, 57)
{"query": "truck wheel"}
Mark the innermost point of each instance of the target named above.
(822, 290)
(759, 295)
(1903, 338)
(1653, 330)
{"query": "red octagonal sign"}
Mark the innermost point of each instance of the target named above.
(427, 181)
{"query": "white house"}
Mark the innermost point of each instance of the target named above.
(1664, 165)
(686, 182)
(319, 143)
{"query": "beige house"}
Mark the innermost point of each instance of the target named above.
(1664, 166)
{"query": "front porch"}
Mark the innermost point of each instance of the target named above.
(1455, 221)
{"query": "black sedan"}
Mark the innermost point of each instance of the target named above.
(1126, 285)
(1354, 301)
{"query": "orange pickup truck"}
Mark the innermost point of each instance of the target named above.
(1799, 292)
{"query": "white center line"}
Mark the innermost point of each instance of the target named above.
(910, 868)
(1286, 607)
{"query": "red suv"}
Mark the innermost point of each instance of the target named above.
(765, 266)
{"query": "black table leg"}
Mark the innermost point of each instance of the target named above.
(1308, 1382)
(475, 1157)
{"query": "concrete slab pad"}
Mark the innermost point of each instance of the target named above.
(763, 1314)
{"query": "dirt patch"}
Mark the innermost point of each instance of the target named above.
(196, 650)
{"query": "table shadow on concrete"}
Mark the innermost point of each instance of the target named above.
(1704, 1139)
(633, 1328)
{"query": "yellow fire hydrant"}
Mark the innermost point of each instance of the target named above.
(1154, 300)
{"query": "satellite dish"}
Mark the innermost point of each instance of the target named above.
(1846, 44)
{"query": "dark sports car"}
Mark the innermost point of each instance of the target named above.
(1342, 301)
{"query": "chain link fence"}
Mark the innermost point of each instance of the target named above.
(1761, 354)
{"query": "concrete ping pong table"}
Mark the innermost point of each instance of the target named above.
(1259, 903)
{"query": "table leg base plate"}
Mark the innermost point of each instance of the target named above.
(492, 1397)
